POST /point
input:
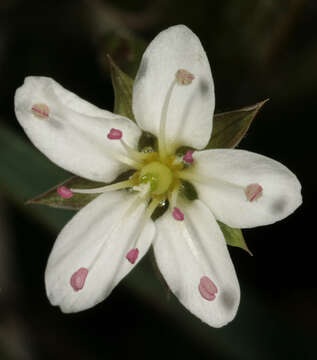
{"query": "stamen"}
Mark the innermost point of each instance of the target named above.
(153, 205)
(41, 111)
(173, 195)
(188, 157)
(207, 288)
(177, 162)
(114, 134)
(117, 186)
(184, 77)
(132, 255)
(133, 153)
(253, 192)
(143, 189)
(64, 192)
(77, 281)
(177, 214)
(137, 202)
(127, 161)
(162, 134)
(190, 175)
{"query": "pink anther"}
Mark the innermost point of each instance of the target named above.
(177, 214)
(64, 192)
(188, 157)
(41, 111)
(114, 134)
(77, 281)
(253, 192)
(207, 288)
(132, 255)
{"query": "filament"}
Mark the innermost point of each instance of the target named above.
(163, 150)
(102, 189)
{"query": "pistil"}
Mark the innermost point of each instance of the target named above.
(158, 175)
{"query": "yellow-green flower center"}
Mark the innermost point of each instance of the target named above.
(158, 175)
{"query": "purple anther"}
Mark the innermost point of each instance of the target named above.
(177, 214)
(114, 134)
(188, 157)
(77, 281)
(132, 255)
(64, 192)
(207, 288)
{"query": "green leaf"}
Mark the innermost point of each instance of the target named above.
(123, 87)
(230, 127)
(234, 237)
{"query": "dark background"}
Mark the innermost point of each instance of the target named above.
(258, 50)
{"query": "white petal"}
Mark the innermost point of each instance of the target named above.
(74, 135)
(98, 238)
(190, 112)
(228, 172)
(188, 250)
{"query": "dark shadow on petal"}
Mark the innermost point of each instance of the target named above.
(203, 87)
(55, 123)
(227, 298)
(278, 206)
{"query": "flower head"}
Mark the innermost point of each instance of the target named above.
(173, 99)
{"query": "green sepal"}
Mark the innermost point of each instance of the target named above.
(122, 87)
(234, 237)
(76, 202)
(230, 127)
(125, 49)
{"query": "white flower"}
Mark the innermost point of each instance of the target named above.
(173, 98)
